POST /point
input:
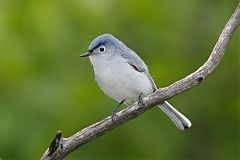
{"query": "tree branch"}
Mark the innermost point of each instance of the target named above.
(61, 147)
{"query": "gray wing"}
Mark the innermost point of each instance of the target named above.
(153, 83)
(134, 60)
(138, 64)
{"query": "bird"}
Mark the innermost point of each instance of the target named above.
(123, 75)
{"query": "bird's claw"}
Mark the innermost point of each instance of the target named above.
(114, 116)
(140, 100)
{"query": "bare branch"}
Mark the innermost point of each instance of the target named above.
(61, 147)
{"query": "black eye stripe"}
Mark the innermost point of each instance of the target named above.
(97, 45)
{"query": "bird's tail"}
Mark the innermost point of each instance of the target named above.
(179, 120)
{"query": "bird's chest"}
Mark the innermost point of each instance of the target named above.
(111, 73)
(114, 77)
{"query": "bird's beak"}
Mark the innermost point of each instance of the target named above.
(85, 54)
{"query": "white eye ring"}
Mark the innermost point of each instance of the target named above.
(102, 49)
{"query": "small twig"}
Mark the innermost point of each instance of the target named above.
(61, 147)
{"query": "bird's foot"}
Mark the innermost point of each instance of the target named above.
(140, 99)
(113, 117)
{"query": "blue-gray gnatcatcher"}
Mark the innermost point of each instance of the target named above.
(123, 75)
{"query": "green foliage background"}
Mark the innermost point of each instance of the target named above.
(45, 86)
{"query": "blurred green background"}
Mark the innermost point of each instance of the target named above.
(45, 86)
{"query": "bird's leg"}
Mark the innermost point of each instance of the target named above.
(140, 99)
(115, 109)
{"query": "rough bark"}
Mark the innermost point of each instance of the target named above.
(61, 147)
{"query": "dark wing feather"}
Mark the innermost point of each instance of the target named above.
(138, 64)
(134, 60)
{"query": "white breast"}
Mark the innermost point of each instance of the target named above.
(118, 79)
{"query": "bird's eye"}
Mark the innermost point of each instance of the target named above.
(102, 49)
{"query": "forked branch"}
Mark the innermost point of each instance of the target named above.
(61, 147)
